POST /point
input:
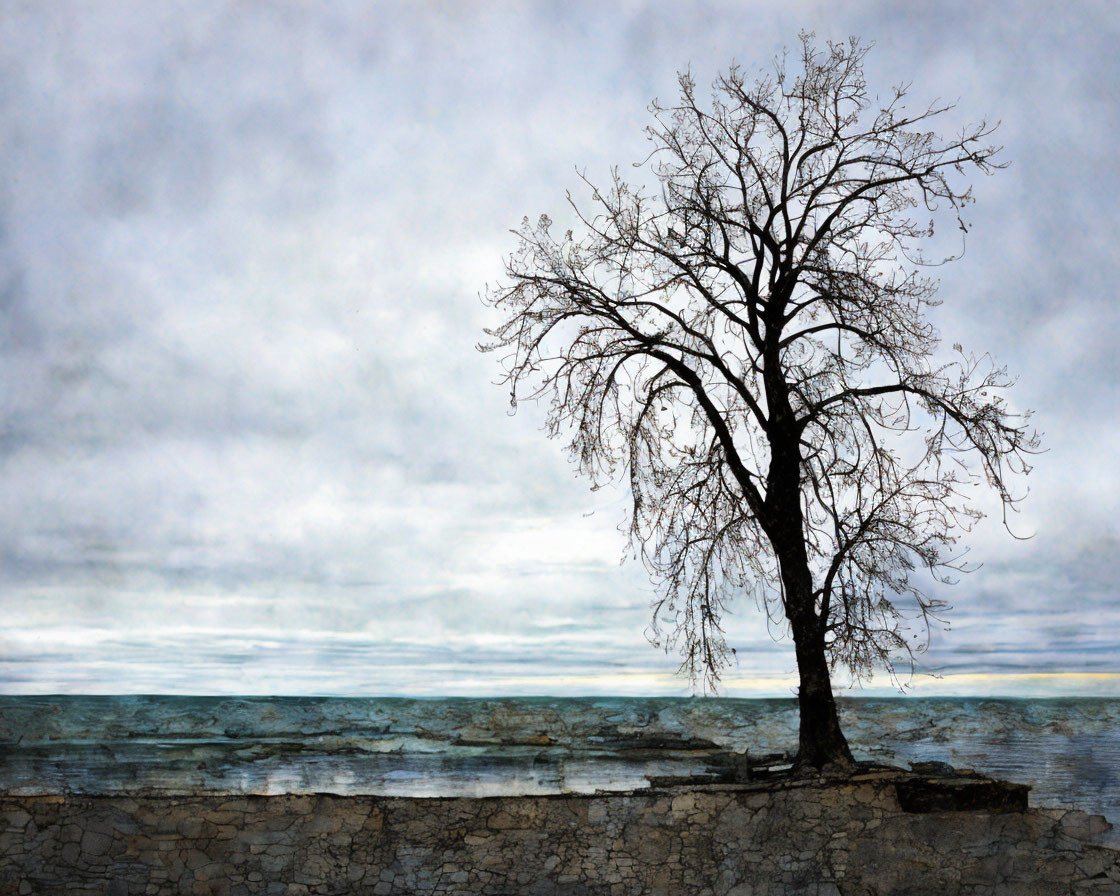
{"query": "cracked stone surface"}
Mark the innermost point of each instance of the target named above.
(846, 838)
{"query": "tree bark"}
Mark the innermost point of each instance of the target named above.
(820, 741)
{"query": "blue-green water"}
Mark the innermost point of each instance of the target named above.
(1068, 749)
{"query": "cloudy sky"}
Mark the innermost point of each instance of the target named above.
(247, 444)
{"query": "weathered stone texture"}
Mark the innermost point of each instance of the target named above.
(851, 839)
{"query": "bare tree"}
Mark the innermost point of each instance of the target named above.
(749, 345)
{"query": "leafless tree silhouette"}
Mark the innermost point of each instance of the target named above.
(749, 345)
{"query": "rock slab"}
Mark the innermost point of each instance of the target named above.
(850, 838)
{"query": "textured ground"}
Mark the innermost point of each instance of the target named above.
(821, 838)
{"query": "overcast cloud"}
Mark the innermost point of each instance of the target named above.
(246, 442)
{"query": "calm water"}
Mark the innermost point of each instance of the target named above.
(1067, 749)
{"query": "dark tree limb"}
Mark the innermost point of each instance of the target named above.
(749, 349)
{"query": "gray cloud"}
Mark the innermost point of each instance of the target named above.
(245, 437)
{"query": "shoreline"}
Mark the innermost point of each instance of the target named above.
(1067, 749)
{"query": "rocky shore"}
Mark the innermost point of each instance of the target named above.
(883, 831)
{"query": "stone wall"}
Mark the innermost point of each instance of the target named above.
(828, 839)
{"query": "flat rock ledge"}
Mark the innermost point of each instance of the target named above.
(876, 833)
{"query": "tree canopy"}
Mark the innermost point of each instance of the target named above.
(748, 345)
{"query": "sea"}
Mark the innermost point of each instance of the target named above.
(1066, 749)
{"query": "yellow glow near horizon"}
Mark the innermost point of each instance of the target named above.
(1029, 676)
(978, 684)
(965, 684)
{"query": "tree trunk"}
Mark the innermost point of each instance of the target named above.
(820, 741)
